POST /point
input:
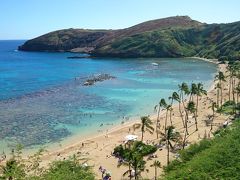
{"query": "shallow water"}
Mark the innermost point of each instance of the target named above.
(42, 102)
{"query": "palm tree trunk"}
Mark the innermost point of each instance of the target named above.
(170, 117)
(196, 123)
(233, 89)
(186, 117)
(197, 107)
(229, 92)
(221, 91)
(155, 172)
(179, 107)
(171, 113)
(213, 115)
(218, 97)
(166, 121)
(168, 149)
(237, 97)
(158, 121)
(185, 137)
(135, 168)
(130, 172)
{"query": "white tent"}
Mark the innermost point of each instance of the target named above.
(131, 137)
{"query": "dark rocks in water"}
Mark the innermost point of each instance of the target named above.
(98, 78)
(78, 57)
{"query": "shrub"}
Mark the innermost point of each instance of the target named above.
(217, 159)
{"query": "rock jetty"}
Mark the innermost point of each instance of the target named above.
(97, 78)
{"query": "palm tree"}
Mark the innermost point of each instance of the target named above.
(191, 107)
(156, 164)
(184, 90)
(168, 108)
(138, 164)
(146, 125)
(238, 91)
(230, 70)
(218, 86)
(193, 91)
(162, 103)
(171, 135)
(177, 98)
(220, 76)
(199, 92)
(213, 107)
(135, 162)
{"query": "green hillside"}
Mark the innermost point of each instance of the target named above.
(211, 41)
(178, 36)
(210, 159)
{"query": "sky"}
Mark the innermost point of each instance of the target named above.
(26, 19)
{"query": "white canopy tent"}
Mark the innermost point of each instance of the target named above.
(131, 137)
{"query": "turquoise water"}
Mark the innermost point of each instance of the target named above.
(42, 102)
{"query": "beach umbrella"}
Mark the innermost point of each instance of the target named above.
(131, 137)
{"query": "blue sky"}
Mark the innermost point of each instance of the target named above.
(25, 19)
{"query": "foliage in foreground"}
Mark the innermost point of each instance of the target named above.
(138, 147)
(210, 159)
(20, 169)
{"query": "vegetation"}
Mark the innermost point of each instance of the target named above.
(137, 146)
(177, 36)
(156, 164)
(30, 169)
(170, 136)
(210, 159)
(132, 156)
(146, 125)
(216, 158)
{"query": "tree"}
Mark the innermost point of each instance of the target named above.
(146, 125)
(156, 164)
(184, 90)
(199, 92)
(193, 91)
(213, 107)
(168, 108)
(135, 162)
(238, 92)
(14, 168)
(171, 135)
(162, 104)
(176, 97)
(218, 86)
(191, 107)
(220, 77)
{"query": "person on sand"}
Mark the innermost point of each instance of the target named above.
(108, 176)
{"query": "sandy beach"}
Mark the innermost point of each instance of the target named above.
(97, 149)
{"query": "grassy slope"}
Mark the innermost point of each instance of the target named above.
(63, 40)
(210, 41)
(211, 159)
(169, 37)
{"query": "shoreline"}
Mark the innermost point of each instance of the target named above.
(98, 146)
(71, 142)
(118, 130)
(127, 123)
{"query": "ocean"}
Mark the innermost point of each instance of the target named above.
(43, 100)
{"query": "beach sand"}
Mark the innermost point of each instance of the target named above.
(98, 149)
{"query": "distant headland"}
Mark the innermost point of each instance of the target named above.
(177, 36)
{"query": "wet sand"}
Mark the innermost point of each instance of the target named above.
(98, 148)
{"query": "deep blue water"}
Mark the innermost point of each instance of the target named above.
(42, 102)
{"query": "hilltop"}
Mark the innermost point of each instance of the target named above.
(177, 36)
